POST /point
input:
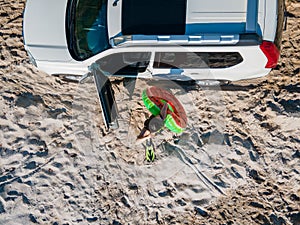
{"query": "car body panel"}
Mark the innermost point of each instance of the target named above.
(216, 11)
(251, 67)
(44, 30)
(50, 53)
(114, 17)
(271, 16)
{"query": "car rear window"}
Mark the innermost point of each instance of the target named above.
(153, 17)
(189, 60)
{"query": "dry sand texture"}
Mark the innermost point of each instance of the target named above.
(236, 163)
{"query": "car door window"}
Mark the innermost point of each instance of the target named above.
(125, 63)
(196, 60)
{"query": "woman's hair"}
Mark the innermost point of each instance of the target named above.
(154, 123)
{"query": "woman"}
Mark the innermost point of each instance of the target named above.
(154, 123)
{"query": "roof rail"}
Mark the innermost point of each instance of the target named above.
(252, 14)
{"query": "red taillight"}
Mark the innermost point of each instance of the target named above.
(271, 52)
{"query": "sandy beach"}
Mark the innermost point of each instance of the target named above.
(237, 162)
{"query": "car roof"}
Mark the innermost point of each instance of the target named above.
(180, 17)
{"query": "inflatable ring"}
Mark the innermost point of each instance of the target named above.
(154, 98)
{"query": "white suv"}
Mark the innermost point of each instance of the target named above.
(177, 39)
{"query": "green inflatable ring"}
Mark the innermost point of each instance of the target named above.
(154, 99)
